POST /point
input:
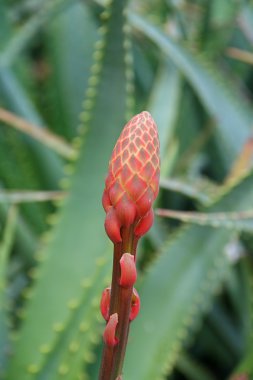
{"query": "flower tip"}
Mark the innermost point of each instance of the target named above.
(145, 113)
(128, 273)
(105, 303)
(110, 330)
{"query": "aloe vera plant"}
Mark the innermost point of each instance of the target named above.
(72, 74)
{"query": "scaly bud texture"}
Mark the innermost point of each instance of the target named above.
(132, 183)
(131, 186)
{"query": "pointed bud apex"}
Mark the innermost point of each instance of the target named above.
(132, 182)
(105, 303)
(128, 273)
(110, 330)
(135, 306)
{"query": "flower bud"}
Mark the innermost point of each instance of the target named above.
(128, 273)
(105, 303)
(132, 183)
(110, 330)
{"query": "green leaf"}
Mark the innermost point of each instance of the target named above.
(26, 240)
(192, 370)
(245, 21)
(5, 249)
(232, 119)
(5, 24)
(70, 67)
(21, 39)
(48, 163)
(245, 367)
(202, 191)
(237, 221)
(38, 166)
(164, 105)
(78, 242)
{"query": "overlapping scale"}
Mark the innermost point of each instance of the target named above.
(132, 182)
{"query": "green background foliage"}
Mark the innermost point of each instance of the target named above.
(80, 70)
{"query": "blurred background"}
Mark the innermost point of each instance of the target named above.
(71, 74)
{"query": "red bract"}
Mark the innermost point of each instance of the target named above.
(105, 303)
(132, 182)
(110, 330)
(128, 270)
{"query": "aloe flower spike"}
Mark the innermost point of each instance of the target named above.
(132, 182)
(131, 186)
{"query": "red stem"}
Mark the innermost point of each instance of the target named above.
(121, 298)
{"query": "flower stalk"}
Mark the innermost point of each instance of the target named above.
(131, 187)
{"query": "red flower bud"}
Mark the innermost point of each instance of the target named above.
(105, 303)
(135, 305)
(110, 330)
(132, 182)
(128, 273)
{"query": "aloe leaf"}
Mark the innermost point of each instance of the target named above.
(11, 91)
(200, 191)
(223, 327)
(70, 67)
(20, 40)
(178, 288)
(237, 221)
(73, 343)
(164, 104)
(192, 370)
(15, 96)
(49, 139)
(13, 155)
(78, 239)
(5, 24)
(5, 249)
(222, 13)
(245, 367)
(30, 196)
(26, 240)
(232, 118)
(245, 21)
